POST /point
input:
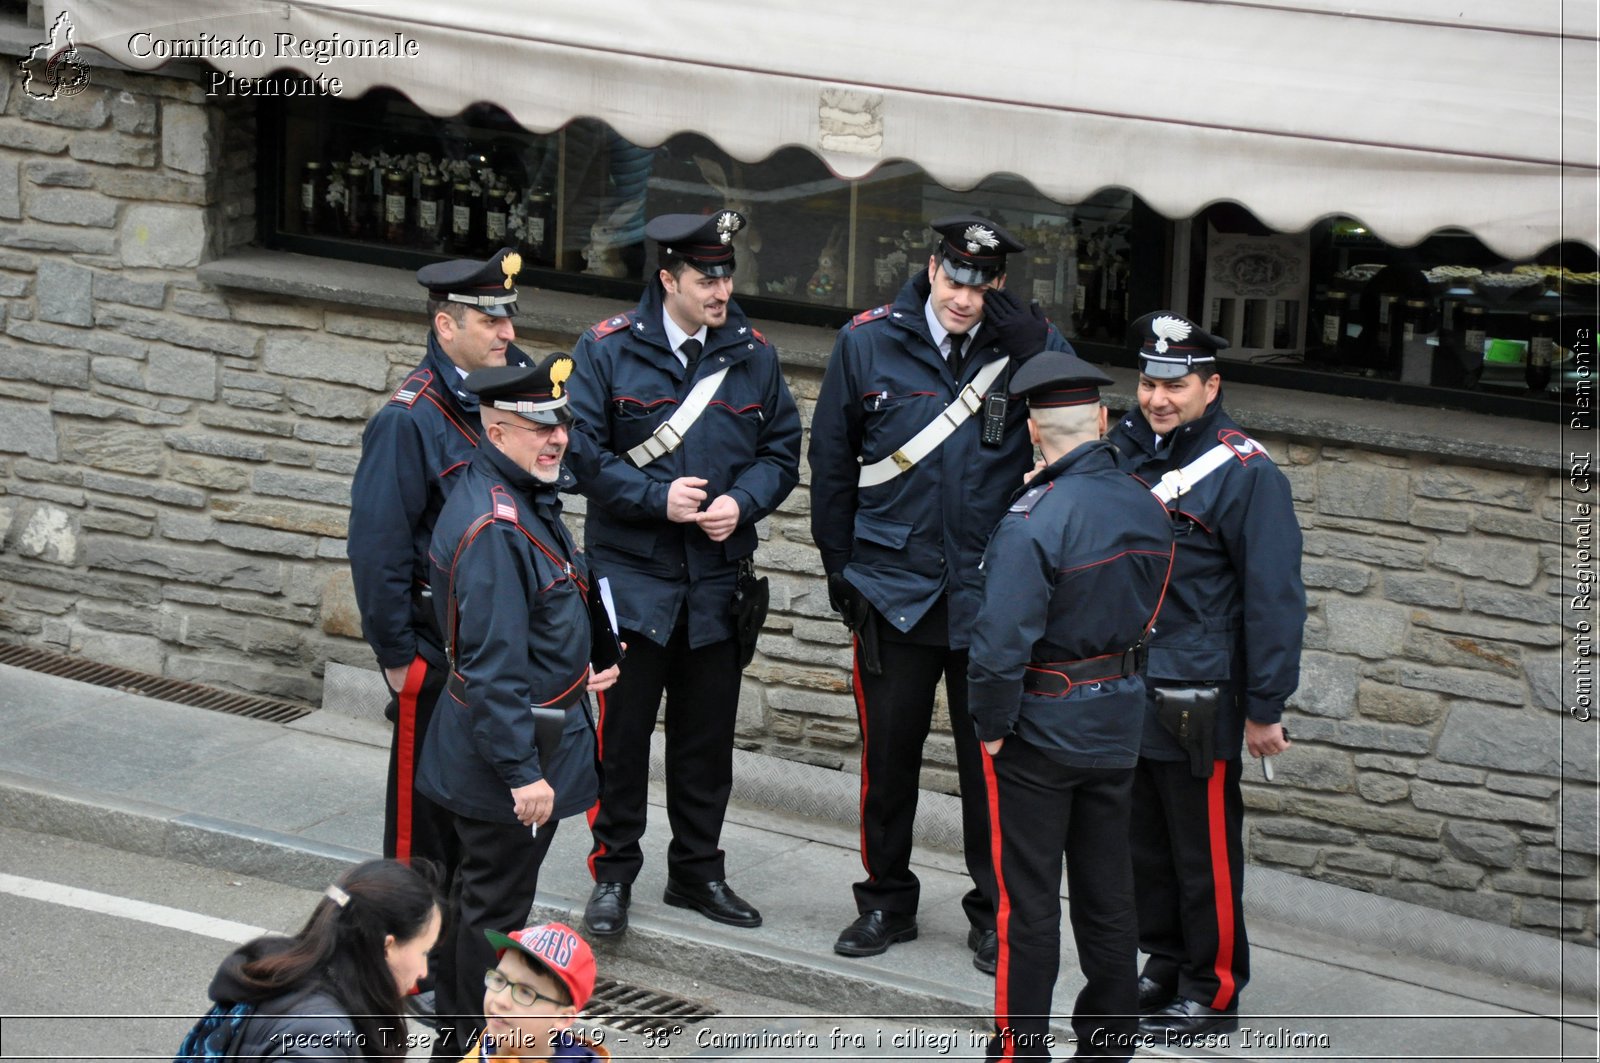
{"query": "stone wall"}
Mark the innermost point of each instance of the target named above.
(174, 477)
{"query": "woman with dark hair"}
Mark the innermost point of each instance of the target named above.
(335, 989)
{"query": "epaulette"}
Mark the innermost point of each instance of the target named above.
(505, 508)
(759, 337)
(1244, 448)
(412, 389)
(610, 325)
(1030, 498)
(870, 315)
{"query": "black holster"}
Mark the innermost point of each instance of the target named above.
(752, 595)
(1190, 715)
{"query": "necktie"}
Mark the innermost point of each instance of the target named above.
(957, 341)
(690, 349)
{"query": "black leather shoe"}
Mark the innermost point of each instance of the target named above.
(606, 914)
(985, 946)
(1185, 1018)
(873, 932)
(1153, 996)
(715, 900)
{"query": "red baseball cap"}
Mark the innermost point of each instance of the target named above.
(559, 949)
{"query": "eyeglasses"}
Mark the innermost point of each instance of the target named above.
(525, 995)
(537, 429)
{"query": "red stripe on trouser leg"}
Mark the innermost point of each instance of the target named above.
(1221, 881)
(599, 758)
(1002, 915)
(406, 757)
(861, 725)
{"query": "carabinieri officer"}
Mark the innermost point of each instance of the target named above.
(915, 451)
(412, 453)
(697, 439)
(510, 595)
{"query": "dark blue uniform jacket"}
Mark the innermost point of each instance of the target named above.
(1075, 571)
(522, 639)
(1236, 609)
(411, 454)
(906, 542)
(746, 444)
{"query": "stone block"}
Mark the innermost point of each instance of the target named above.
(1382, 762)
(249, 380)
(118, 287)
(209, 473)
(1358, 735)
(1441, 518)
(1487, 736)
(216, 417)
(811, 702)
(1485, 907)
(57, 368)
(132, 113)
(1355, 489)
(122, 375)
(1537, 912)
(1402, 532)
(1335, 575)
(63, 206)
(1366, 549)
(1463, 683)
(66, 496)
(1328, 685)
(1497, 601)
(1358, 816)
(201, 304)
(10, 188)
(81, 584)
(1462, 651)
(253, 400)
(47, 534)
(278, 682)
(1555, 862)
(1476, 626)
(182, 332)
(1498, 560)
(323, 400)
(65, 293)
(116, 523)
(1545, 886)
(1523, 787)
(1546, 676)
(339, 464)
(158, 235)
(1314, 769)
(1482, 843)
(291, 315)
(291, 455)
(87, 110)
(139, 652)
(1381, 789)
(1475, 484)
(185, 565)
(176, 371)
(1458, 801)
(272, 482)
(145, 186)
(316, 358)
(334, 435)
(1364, 628)
(155, 491)
(339, 614)
(284, 516)
(186, 140)
(71, 239)
(1286, 853)
(1392, 704)
(1517, 526)
(1579, 823)
(1406, 846)
(1362, 863)
(410, 331)
(1305, 832)
(113, 149)
(26, 428)
(1434, 771)
(116, 447)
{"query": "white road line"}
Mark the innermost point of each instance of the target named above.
(126, 908)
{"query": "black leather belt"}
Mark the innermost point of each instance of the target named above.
(1054, 679)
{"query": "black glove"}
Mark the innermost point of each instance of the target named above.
(1021, 331)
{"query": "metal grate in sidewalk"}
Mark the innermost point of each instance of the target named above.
(177, 691)
(638, 1009)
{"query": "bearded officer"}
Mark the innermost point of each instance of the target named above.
(412, 453)
(1072, 579)
(1227, 650)
(511, 596)
(698, 439)
(915, 451)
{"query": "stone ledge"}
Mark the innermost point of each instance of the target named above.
(1498, 442)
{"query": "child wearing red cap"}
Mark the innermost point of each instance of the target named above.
(532, 996)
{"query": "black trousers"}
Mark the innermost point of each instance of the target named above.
(702, 694)
(412, 824)
(1188, 861)
(492, 874)
(895, 711)
(1041, 810)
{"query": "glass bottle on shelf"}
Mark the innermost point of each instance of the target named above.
(495, 215)
(1541, 351)
(1335, 309)
(466, 224)
(539, 229)
(396, 200)
(430, 213)
(313, 196)
(361, 205)
(1474, 331)
(1411, 350)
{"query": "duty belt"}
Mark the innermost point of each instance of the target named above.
(1054, 679)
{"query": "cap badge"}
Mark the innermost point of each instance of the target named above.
(1169, 328)
(727, 225)
(511, 265)
(977, 236)
(560, 369)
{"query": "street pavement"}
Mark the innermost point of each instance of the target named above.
(1337, 974)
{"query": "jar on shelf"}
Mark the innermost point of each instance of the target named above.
(396, 203)
(1412, 350)
(313, 198)
(360, 205)
(466, 219)
(431, 206)
(540, 229)
(1333, 311)
(1541, 351)
(496, 213)
(1474, 331)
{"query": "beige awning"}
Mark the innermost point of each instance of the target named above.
(1411, 115)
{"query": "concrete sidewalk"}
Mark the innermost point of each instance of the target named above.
(1337, 974)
